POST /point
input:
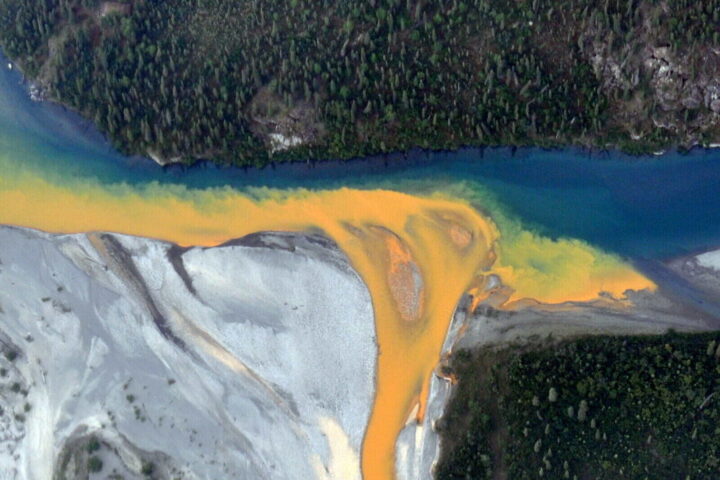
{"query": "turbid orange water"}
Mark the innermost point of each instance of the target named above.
(416, 254)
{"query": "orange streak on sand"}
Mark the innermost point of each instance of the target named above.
(393, 240)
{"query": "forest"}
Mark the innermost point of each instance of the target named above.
(593, 408)
(258, 81)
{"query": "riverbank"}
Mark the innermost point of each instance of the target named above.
(555, 213)
(486, 430)
(155, 273)
(621, 76)
(159, 352)
(70, 123)
(607, 407)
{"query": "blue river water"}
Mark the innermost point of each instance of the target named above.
(639, 207)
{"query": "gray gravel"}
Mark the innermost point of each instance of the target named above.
(264, 369)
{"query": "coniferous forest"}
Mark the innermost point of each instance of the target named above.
(253, 81)
(610, 408)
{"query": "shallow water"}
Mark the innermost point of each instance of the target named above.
(648, 206)
(420, 229)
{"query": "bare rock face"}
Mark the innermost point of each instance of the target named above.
(650, 83)
(134, 357)
(693, 98)
(715, 105)
(282, 125)
(675, 85)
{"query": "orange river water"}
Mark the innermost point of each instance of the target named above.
(416, 254)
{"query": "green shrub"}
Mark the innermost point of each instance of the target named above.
(95, 465)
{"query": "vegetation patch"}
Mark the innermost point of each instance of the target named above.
(593, 408)
(256, 81)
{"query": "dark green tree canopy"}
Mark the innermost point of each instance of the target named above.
(246, 82)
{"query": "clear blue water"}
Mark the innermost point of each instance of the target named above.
(650, 207)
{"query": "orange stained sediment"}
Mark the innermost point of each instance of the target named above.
(422, 251)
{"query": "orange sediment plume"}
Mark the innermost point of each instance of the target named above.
(409, 351)
(415, 261)
(417, 256)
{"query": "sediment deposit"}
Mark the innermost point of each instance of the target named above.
(251, 360)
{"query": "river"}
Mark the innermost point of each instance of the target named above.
(420, 228)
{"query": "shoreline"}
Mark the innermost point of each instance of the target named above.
(491, 330)
(390, 161)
